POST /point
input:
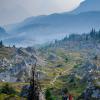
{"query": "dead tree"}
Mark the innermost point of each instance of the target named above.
(34, 89)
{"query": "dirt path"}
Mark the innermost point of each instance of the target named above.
(57, 76)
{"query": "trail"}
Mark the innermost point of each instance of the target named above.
(57, 76)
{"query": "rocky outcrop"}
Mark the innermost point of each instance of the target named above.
(18, 67)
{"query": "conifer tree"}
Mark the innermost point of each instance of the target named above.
(1, 43)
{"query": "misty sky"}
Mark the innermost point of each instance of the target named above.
(12, 11)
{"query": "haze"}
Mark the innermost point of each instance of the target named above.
(12, 11)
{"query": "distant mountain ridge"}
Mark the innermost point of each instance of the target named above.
(42, 29)
(88, 5)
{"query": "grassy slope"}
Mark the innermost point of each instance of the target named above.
(17, 87)
(6, 52)
(62, 81)
(74, 58)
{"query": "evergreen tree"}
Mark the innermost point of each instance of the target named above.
(93, 33)
(1, 43)
(99, 35)
(48, 95)
(7, 89)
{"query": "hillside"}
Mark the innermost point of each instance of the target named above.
(14, 63)
(73, 63)
(82, 64)
(52, 56)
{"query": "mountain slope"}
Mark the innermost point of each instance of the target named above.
(41, 29)
(88, 5)
(54, 26)
(59, 23)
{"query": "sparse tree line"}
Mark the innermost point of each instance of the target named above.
(93, 34)
(2, 45)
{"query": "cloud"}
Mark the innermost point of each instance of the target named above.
(16, 10)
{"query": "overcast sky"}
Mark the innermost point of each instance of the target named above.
(12, 11)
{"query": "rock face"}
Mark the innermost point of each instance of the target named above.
(89, 74)
(18, 66)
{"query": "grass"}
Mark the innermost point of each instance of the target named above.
(17, 86)
(51, 71)
(74, 60)
(10, 97)
(6, 52)
(15, 96)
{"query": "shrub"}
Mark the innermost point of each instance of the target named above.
(48, 95)
(7, 89)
